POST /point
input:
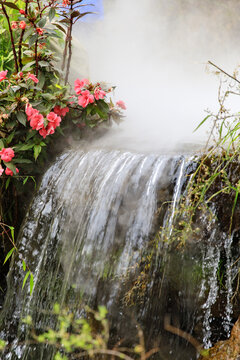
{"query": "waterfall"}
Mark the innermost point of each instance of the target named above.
(87, 229)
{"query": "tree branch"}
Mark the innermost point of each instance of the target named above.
(224, 72)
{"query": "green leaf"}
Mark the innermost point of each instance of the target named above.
(101, 113)
(21, 116)
(28, 65)
(1, 144)
(25, 147)
(89, 109)
(84, 14)
(24, 265)
(51, 14)
(32, 40)
(11, 5)
(22, 161)
(23, 86)
(48, 96)
(30, 134)
(28, 33)
(11, 166)
(44, 63)
(10, 137)
(41, 78)
(7, 183)
(60, 27)
(25, 279)
(15, 88)
(31, 284)
(42, 22)
(25, 180)
(103, 105)
(37, 149)
(65, 21)
(35, 184)
(202, 122)
(8, 255)
(75, 13)
(12, 232)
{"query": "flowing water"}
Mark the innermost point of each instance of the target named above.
(89, 226)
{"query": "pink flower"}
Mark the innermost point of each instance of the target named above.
(85, 98)
(39, 31)
(65, 3)
(79, 84)
(20, 74)
(32, 77)
(14, 25)
(35, 118)
(3, 75)
(22, 25)
(22, 12)
(49, 130)
(37, 121)
(30, 111)
(1, 170)
(60, 111)
(121, 104)
(43, 132)
(99, 93)
(9, 172)
(53, 119)
(7, 154)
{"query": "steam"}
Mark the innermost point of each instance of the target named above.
(155, 52)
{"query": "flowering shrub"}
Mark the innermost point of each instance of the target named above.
(35, 98)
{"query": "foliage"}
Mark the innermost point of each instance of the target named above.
(77, 338)
(215, 179)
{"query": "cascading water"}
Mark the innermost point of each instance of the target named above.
(89, 225)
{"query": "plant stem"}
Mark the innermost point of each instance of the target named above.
(65, 50)
(39, 7)
(69, 53)
(21, 39)
(36, 56)
(224, 72)
(12, 39)
(69, 44)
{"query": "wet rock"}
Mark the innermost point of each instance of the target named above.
(228, 349)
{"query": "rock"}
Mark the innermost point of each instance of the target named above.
(228, 349)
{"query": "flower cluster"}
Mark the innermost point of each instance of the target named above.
(20, 75)
(87, 92)
(7, 154)
(15, 25)
(37, 121)
(45, 122)
(22, 24)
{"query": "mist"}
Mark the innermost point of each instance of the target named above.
(155, 52)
